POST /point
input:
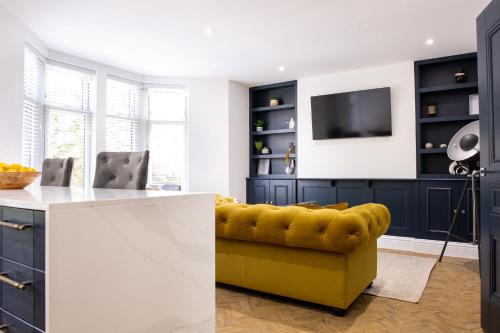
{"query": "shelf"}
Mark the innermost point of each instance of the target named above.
(273, 176)
(448, 87)
(440, 176)
(274, 108)
(449, 119)
(272, 156)
(277, 131)
(433, 151)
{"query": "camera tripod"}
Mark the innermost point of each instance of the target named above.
(473, 176)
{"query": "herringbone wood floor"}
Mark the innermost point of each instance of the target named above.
(450, 303)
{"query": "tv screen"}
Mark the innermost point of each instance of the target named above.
(355, 114)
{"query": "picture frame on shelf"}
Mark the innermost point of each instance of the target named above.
(473, 104)
(263, 166)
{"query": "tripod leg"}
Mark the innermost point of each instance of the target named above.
(454, 219)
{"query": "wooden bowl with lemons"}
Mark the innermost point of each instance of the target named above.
(16, 177)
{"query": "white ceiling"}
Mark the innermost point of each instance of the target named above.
(251, 37)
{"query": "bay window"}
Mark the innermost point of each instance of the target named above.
(68, 117)
(167, 135)
(124, 125)
(32, 145)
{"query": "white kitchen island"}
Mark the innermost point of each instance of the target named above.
(107, 261)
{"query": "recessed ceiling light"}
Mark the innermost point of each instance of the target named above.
(429, 41)
(281, 68)
(209, 31)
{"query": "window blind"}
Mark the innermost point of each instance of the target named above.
(167, 141)
(124, 125)
(69, 103)
(32, 109)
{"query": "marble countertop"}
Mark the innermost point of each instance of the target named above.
(57, 198)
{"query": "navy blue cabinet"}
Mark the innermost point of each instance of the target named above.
(355, 192)
(321, 191)
(419, 208)
(280, 192)
(438, 202)
(401, 197)
(325, 192)
(257, 191)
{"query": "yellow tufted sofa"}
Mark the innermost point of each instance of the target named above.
(325, 256)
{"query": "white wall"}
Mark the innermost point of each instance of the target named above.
(13, 36)
(380, 157)
(238, 139)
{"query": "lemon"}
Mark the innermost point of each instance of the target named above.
(15, 166)
(3, 165)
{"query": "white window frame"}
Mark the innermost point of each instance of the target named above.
(142, 134)
(36, 158)
(88, 116)
(149, 89)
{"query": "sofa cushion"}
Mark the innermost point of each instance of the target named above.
(324, 229)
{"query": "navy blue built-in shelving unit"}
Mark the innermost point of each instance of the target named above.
(276, 134)
(435, 84)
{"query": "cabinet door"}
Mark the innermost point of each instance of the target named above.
(282, 192)
(401, 197)
(438, 200)
(320, 191)
(355, 192)
(257, 191)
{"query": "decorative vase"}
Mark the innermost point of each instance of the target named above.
(443, 145)
(265, 151)
(291, 124)
(289, 170)
(429, 145)
(259, 128)
(274, 102)
(431, 110)
(460, 76)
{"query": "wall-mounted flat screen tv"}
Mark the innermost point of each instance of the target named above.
(356, 114)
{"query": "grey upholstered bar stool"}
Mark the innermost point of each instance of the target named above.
(57, 172)
(170, 187)
(122, 170)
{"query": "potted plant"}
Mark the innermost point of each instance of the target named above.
(259, 125)
(274, 101)
(258, 145)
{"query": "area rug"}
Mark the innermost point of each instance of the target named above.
(401, 277)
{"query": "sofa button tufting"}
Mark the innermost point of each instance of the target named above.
(113, 177)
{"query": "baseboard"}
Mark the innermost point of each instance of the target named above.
(454, 249)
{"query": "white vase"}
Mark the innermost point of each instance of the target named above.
(259, 129)
(288, 170)
(291, 124)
